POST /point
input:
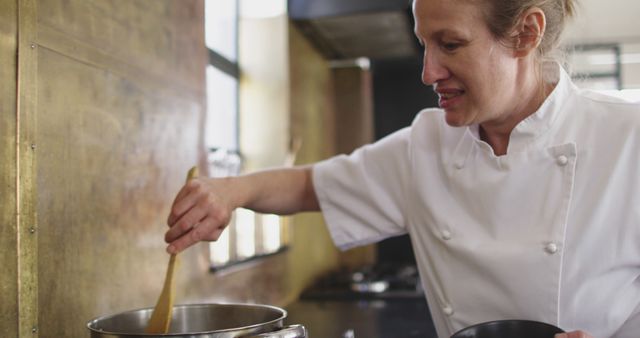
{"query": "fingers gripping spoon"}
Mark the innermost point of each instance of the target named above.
(161, 316)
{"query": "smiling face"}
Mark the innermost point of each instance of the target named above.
(475, 75)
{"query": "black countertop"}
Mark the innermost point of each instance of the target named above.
(365, 318)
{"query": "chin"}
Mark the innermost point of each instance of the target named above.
(455, 119)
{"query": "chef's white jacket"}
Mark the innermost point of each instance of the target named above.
(549, 232)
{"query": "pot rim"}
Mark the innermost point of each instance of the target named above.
(283, 315)
(505, 321)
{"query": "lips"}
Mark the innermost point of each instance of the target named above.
(448, 97)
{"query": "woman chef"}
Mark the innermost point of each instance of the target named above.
(521, 194)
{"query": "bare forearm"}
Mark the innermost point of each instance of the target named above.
(279, 191)
(203, 207)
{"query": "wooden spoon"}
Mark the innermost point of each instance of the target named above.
(161, 316)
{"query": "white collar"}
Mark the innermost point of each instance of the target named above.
(539, 122)
(528, 130)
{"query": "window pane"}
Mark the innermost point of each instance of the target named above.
(593, 61)
(219, 250)
(263, 8)
(220, 17)
(223, 163)
(222, 108)
(271, 233)
(245, 233)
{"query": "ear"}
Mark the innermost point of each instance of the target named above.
(529, 31)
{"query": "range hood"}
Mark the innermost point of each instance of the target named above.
(349, 29)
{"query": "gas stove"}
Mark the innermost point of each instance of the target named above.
(381, 281)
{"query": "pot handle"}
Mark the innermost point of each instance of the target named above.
(291, 331)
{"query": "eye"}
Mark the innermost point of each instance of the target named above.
(450, 46)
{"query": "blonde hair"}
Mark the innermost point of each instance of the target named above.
(502, 16)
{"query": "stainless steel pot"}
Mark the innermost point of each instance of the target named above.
(202, 321)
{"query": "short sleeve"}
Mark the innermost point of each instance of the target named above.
(363, 196)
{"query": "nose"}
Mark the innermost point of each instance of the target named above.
(433, 69)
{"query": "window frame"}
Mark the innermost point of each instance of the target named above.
(615, 74)
(232, 68)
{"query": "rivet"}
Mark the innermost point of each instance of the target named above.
(32, 230)
(34, 329)
(33, 46)
(33, 146)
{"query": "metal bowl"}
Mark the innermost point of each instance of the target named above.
(509, 328)
(201, 321)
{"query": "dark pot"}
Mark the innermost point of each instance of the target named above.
(509, 329)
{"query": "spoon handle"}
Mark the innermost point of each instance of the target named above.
(161, 315)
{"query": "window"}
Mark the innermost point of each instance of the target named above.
(596, 66)
(249, 235)
(612, 68)
(221, 35)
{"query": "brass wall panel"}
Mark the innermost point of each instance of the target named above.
(312, 100)
(120, 111)
(8, 245)
(313, 121)
(111, 155)
(354, 108)
(163, 37)
(26, 224)
(353, 92)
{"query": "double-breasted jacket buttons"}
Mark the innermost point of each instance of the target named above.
(551, 248)
(448, 310)
(562, 160)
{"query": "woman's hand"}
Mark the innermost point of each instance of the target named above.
(573, 334)
(200, 212)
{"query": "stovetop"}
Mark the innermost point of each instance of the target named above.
(382, 281)
(372, 318)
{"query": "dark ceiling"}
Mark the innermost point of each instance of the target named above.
(348, 29)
